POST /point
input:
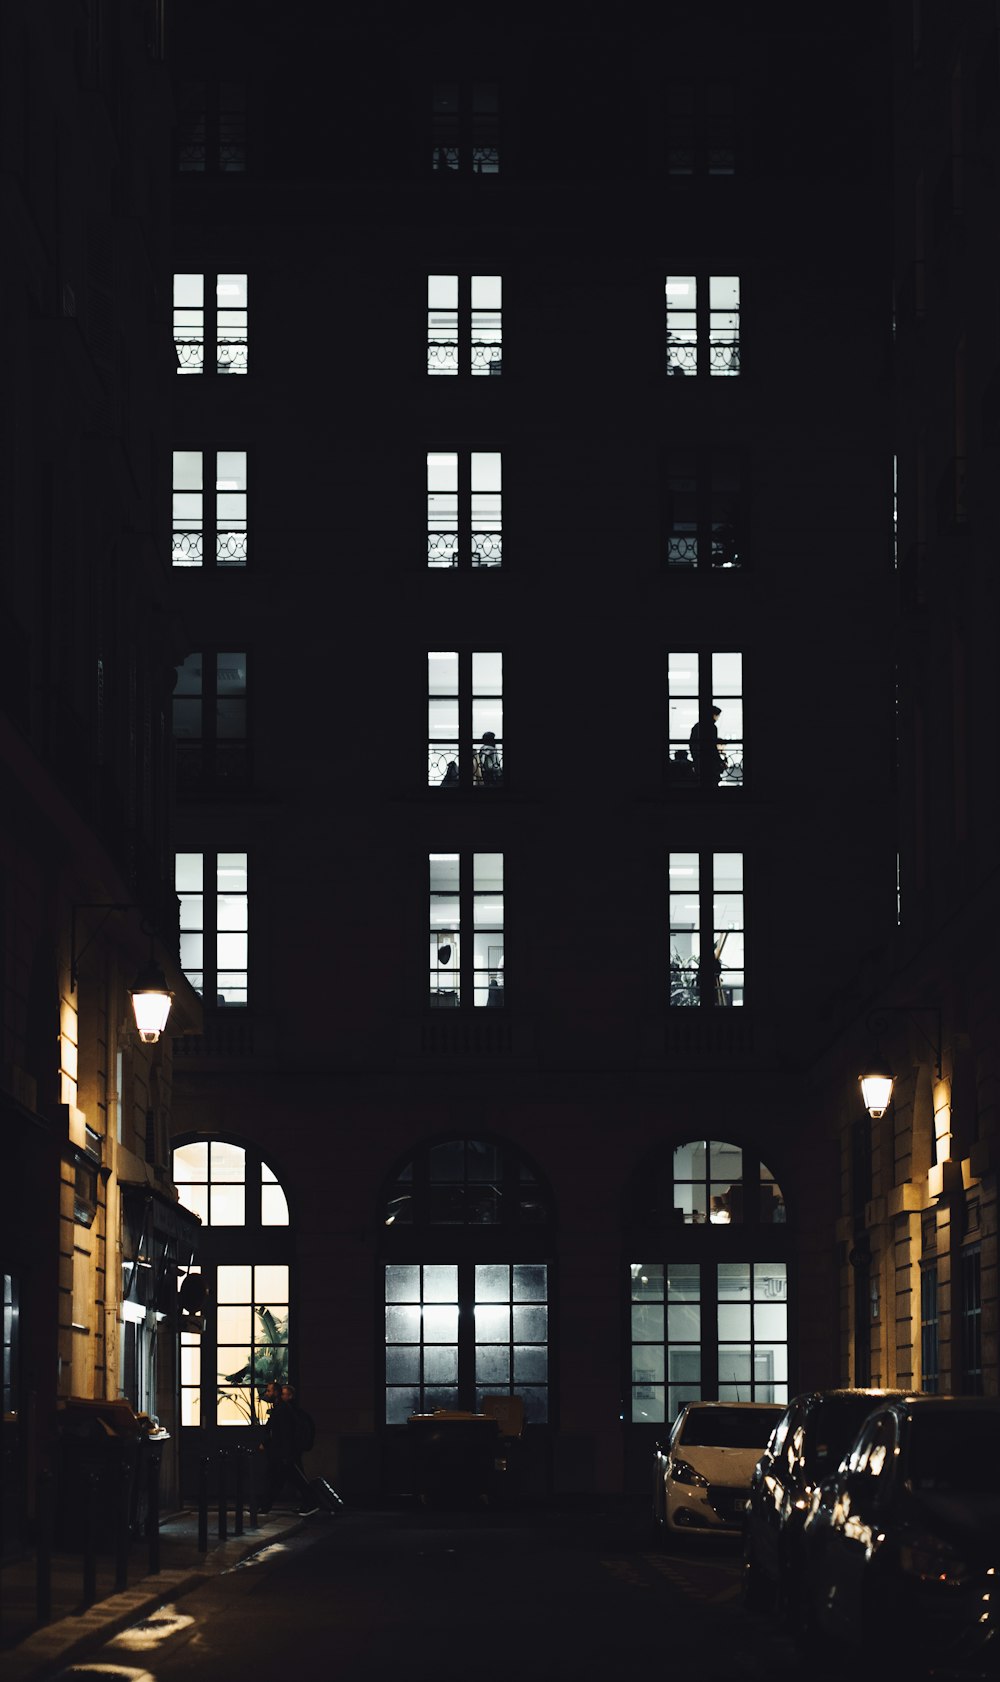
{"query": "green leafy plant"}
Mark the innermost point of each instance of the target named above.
(268, 1364)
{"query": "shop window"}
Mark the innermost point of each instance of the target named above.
(464, 324)
(464, 720)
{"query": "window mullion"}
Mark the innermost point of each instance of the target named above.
(709, 1331)
(466, 745)
(211, 325)
(464, 500)
(706, 919)
(467, 1335)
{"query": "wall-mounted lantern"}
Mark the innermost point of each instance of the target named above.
(877, 1081)
(150, 995)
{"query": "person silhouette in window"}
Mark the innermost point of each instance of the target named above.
(708, 759)
(487, 769)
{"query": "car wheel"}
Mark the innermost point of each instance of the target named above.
(757, 1591)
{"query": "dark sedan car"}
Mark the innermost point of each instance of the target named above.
(902, 1543)
(810, 1439)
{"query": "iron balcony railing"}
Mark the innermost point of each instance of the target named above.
(230, 356)
(683, 773)
(723, 355)
(443, 356)
(481, 549)
(448, 768)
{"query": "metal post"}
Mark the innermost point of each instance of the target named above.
(223, 1495)
(43, 1556)
(122, 1515)
(89, 1538)
(203, 1504)
(252, 1485)
(238, 1468)
(153, 1511)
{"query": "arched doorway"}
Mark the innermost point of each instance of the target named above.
(238, 1331)
(465, 1287)
(707, 1281)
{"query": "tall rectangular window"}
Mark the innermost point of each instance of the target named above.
(211, 323)
(210, 721)
(700, 129)
(929, 1357)
(464, 719)
(464, 324)
(465, 128)
(212, 127)
(707, 933)
(705, 521)
(464, 508)
(705, 712)
(214, 923)
(469, 899)
(971, 1308)
(210, 531)
(703, 324)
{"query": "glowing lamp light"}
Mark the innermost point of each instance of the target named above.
(151, 1001)
(876, 1089)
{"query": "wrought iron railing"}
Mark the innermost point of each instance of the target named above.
(447, 768)
(682, 772)
(187, 549)
(231, 355)
(231, 548)
(686, 546)
(724, 355)
(190, 355)
(445, 550)
(682, 355)
(442, 356)
(486, 356)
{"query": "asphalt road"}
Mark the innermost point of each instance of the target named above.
(439, 1596)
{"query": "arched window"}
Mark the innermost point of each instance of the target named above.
(709, 1309)
(240, 1338)
(466, 1280)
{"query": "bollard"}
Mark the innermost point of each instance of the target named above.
(203, 1504)
(252, 1485)
(223, 1494)
(153, 1512)
(89, 1538)
(122, 1537)
(43, 1556)
(238, 1470)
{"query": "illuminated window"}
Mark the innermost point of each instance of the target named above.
(210, 721)
(211, 323)
(214, 924)
(930, 1371)
(707, 932)
(465, 128)
(704, 517)
(705, 713)
(703, 324)
(464, 324)
(464, 507)
(464, 720)
(473, 1323)
(462, 899)
(209, 530)
(243, 1259)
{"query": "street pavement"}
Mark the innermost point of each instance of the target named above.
(573, 1590)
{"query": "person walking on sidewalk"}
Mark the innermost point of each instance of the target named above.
(289, 1433)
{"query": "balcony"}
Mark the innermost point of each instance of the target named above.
(682, 773)
(484, 549)
(448, 768)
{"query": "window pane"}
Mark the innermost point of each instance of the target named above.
(440, 1364)
(440, 1324)
(271, 1283)
(229, 1162)
(492, 1323)
(232, 1284)
(402, 1325)
(492, 1282)
(647, 1323)
(228, 1205)
(647, 1281)
(441, 1283)
(530, 1282)
(402, 1282)
(190, 1163)
(273, 1206)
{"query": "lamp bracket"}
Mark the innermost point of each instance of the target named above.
(107, 906)
(877, 1025)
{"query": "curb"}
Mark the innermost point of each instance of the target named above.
(72, 1638)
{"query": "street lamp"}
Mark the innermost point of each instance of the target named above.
(877, 1081)
(150, 995)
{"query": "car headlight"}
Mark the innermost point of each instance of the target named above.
(932, 1561)
(682, 1472)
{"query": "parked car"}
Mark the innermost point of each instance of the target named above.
(901, 1544)
(809, 1441)
(701, 1477)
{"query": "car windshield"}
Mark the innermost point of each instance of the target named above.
(955, 1450)
(835, 1424)
(729, 1427)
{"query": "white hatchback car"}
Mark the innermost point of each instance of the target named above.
(701, 1479)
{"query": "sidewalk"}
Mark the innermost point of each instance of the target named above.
(29, 1652)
